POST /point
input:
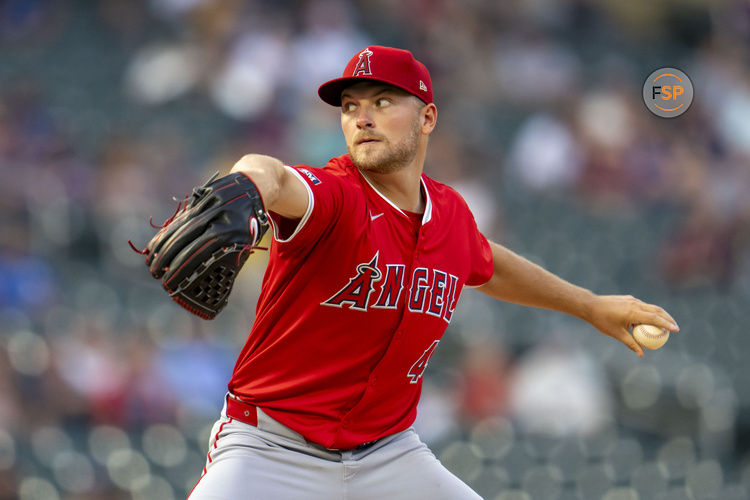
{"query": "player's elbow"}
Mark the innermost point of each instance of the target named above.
(260, 166)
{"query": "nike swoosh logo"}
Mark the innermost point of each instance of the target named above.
(373, 217)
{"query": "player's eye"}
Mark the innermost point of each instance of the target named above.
(382, 102)
(347, 107)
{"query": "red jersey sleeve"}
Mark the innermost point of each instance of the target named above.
(326, 201)
(479, 251)
(482, 267)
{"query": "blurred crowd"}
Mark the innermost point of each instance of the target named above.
(108, 109)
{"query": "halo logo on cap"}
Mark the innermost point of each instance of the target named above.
(363, 66)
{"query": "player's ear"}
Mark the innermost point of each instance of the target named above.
(428, 118)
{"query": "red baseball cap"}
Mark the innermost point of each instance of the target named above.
(395, 67)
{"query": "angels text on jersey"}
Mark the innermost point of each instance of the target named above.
(430, 291)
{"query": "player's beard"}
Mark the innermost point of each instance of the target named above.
(387, 160)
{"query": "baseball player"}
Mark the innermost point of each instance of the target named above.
(368, 259)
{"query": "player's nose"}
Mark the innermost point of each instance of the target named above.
(364, 118)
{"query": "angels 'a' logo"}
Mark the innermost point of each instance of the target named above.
(363, 65)
(358, 290)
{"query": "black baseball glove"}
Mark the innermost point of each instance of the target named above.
(198, 252)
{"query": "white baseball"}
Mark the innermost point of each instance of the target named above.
(650, 336)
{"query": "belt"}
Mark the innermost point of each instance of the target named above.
(244, 412)
(248, 414)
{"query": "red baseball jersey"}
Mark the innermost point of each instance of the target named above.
(356, 297)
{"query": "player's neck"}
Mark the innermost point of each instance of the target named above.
(403, 187)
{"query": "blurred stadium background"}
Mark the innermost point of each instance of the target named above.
(108, 108)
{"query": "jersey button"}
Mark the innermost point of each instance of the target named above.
(373, 381)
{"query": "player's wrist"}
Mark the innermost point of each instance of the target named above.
(585, 307)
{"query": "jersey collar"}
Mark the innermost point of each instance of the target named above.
(428, 203)
(426, 217)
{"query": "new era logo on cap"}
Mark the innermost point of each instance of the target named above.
(389, 65)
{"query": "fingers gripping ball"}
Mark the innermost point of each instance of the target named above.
(199, 251)
(649, 336)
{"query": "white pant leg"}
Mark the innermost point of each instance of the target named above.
(273, 462)
(245, 462)
(403, 468)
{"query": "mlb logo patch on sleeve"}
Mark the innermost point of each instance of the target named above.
(310, 176)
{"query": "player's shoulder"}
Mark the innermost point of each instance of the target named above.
(442, 193)
(337, 169)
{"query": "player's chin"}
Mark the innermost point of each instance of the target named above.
(378, 162)
(377, 168)
(364, 160)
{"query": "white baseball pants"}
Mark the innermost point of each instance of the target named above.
(273, 462)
